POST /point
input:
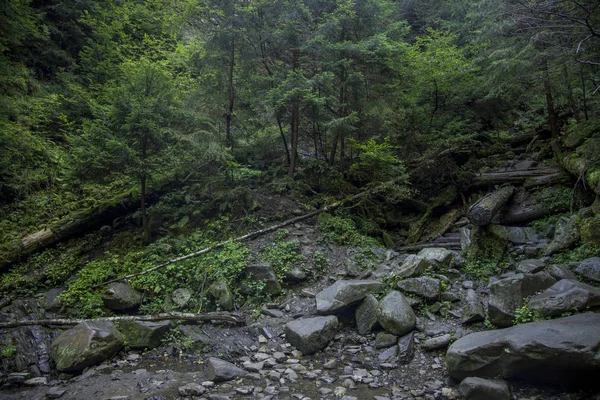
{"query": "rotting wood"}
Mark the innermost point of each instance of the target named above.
(516, 176)
(484, 209)
(210, 316)
(252, 235)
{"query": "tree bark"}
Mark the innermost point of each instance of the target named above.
(295, 120)
(229, 114)
(552, 117)
(145, 223)
(210, 316)
(482, 212)
(517, 176)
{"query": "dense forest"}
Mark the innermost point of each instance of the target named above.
(164, 114)
(133, 132)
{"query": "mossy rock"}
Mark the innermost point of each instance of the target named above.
(485, 245)
(143, 334)
(589, 228)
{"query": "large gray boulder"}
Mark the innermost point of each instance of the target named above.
(566, 235)
(474, 311)
(342, 295)
(85, 344)
(506, 295)
(515, 234)
(590, 269)
(218, 370)
(565, 296)
(424, 286)
(120, 296)
(414, 265)
(484, 389)
(366, 315)
(143, 334)
(437, 255)
(310, 335)
(560, 351)
(395, 314)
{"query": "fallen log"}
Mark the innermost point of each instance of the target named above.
(516, 176)
(254, 234)
(79, 223)
(210, 316)
(482, 212)
(547, 180)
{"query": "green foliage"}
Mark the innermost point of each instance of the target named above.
(483, 269)
(283, 254)
(523, 315)
(343, 231)
(377, 163)
(585, 250)
(8, 349)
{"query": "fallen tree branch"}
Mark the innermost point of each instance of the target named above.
(250, 235)
(210, 316)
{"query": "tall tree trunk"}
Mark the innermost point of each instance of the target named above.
(551, 110)
(229, 115)
(143, 177)
(284, 140)
(295, 125)
(295, 119)
(570, 97)
(145, 224)
(583, 89)
(341, 113)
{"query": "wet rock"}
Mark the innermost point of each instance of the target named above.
(559, 351)
(437, 255)
(51, 301)
(530, 266)
(438, 342)
(506, 295)
(389, 354)
(294, 275)
(384, 339)
(559, 272)
(344, 294)
(406, 348)
(39, 381)
(414, 265)
(121, 296)
(467, 238)
(474, 311)
(395, 314)
(590, 269)
(310, 335)
(55, 392)
(566, 235)
(263, 272)
(565, 296)
(271, 312)
(366, 315)
(85, 345)
(424, 286)
(221, 292)
(218, 370)
(484, 389)
(143, 334)
(515, 234)
(181, 297)
(191, 389)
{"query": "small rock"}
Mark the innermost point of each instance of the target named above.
(366, 315)
(484, 389)
(406, 348)
(438, 342)
(424, 286)
(384, 340)
(218, 370)
(253, 367)
(395, 314)
(39, 381)
(55, 392)
(310, 335)
(191, 389)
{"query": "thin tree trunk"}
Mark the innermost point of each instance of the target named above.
(285, 145)
(229, 115)
(145, 224)
(570, 96)
(436, 105)
(210, 316)
(551, 110)
(583, 89)
(295, 119)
